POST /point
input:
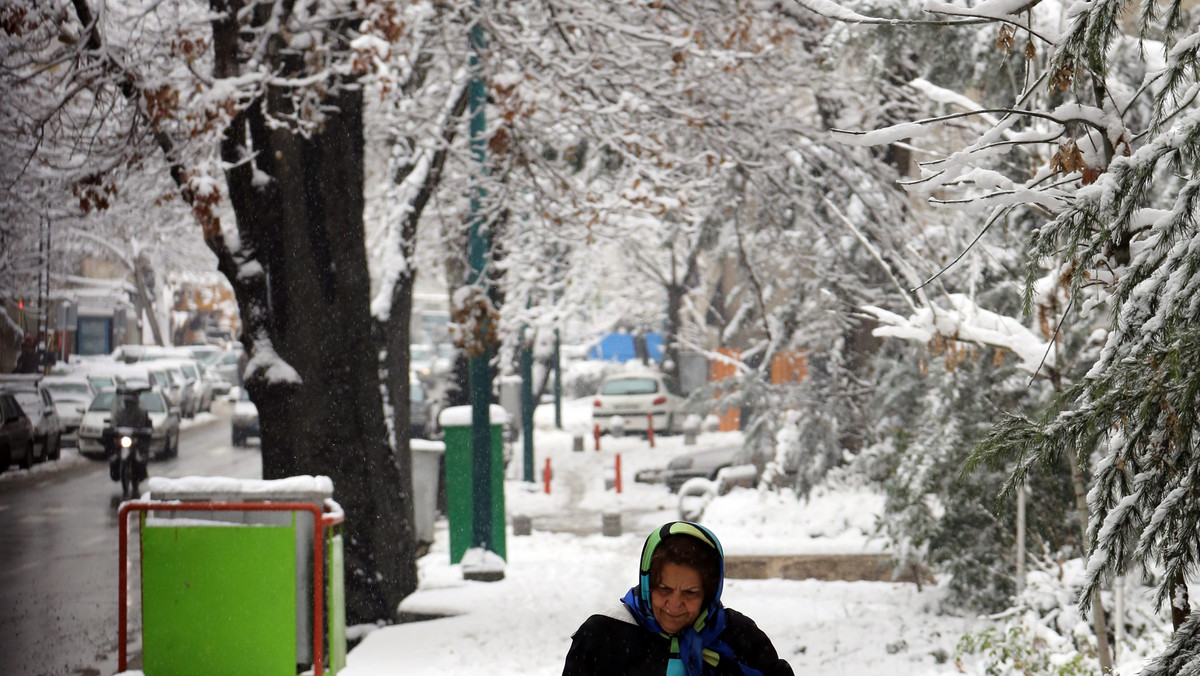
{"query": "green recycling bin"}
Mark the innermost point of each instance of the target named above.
(228, 577)
(460, 479)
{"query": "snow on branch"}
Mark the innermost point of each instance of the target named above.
(266, 364)
(967, 322)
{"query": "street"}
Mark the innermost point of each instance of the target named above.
(58, 551)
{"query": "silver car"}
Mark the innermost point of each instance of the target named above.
(164, 439)
(640, 398)
(72, 394)
(38, 404)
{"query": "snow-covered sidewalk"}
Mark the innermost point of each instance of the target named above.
(562, 573)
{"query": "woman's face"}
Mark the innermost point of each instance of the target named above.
(677, 598)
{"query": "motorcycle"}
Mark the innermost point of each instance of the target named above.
(128, 458)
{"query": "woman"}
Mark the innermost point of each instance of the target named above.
(672, 623)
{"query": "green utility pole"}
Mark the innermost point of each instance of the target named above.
(479, 374)
(557, 382)
(527, 403)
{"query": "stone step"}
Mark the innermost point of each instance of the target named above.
(825, 567)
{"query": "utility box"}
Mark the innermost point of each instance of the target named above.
(460, 478)
(238, 577)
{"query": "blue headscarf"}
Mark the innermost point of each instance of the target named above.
(699, 643)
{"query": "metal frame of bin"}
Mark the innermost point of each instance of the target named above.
(321, 521)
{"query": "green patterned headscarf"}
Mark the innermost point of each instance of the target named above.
(700, 643)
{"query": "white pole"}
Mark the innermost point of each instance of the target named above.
(1118, 613)
(1020, 540)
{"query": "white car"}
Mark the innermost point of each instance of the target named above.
(245, 419)
(638, 397)
(164, 439)
(197, 392)
(72, 394)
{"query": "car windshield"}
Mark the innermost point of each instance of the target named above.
(630, 386)
(152, 402)
(69, 390)
(102, 402)
(99, 382)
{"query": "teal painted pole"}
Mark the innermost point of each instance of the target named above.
(557, 382)
(527, 404)
(478, 370)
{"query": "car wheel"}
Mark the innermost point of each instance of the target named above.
(27, 461)
(56, 450)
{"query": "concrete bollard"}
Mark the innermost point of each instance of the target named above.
(577, 443)
(522, 525)
(689, 437)
(610, 525)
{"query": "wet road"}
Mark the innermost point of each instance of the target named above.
(58, 552)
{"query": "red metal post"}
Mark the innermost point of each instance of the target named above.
(546, 476)
(650, 428)
(596, 433)
(617, 483)
(122, 583)
(318, 594)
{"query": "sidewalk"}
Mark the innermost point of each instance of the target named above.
(566, 570)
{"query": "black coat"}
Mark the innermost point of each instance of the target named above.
(605, 646)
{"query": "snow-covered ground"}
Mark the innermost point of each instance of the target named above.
(554, 580)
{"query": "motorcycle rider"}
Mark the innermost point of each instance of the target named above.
(127, 412)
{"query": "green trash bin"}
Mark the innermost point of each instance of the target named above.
(231, 591)
(460, 478)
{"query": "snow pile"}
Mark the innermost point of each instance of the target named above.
(251, 487)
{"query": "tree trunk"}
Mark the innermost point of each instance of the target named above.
(1099, 621)
(311, 306)
(1181, 606)
(675, 294)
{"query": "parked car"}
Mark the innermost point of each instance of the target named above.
(219, 386)
(100, 374)
(164, 439)
(69, 387)
(226, 366)
(245, 419)
(72, 394)
(704, 464)
(204, 353)
(197, 393)
(635, 395)
(422, 410)
(37, 402)
(16, 433)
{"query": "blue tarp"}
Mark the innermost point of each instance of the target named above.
(619, 347)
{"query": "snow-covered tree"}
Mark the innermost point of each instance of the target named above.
(1099, 145)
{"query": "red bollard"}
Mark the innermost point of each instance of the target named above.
(596, 433)
(650, 428)
(617, 483)
(546, 474)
